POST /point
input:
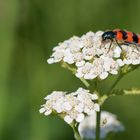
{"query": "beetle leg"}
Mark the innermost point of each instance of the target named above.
(110, 45)
(117, 43)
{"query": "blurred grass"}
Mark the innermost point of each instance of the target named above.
(28, 31)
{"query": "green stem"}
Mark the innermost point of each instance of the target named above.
(76, 133)
(73, 70)
(127, 69)
(85, 82)
(102, 99)
(116, 82)
(98, 118)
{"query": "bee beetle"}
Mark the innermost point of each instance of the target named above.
(125, 37)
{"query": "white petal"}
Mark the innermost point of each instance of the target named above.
(120, 62)
(114, 72)
(79, 107)
(68, 119)
(79, 75)
(90, 33)
(88, 57)
(87, 110)
(136, 62)
(88, 76)
(79, 64)
(67, 106)
(50, 60)
(93, 76)
(106, 66)
(68, 59)
(103, 75)
(42, 110)
(48, 112)
(80, 117)
(94, 96)
(99, 33)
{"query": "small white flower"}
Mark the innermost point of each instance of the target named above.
(55, 95)
(86, 71)
(88, 53)
(67, 106)
(87, 40)
(72, 106)
(90, 34)
(94, 96)
(69, 58)
(117, 52)
(79, 107)
(58, 105)
(109, 123)
(78, 59)
(97, 40)
(103, 75)
(132, 55)
(80, 117)
(57, 56)
(47, 108)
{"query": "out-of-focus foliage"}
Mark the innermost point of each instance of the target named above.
(28, 31)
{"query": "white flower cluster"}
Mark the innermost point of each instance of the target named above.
(94, 58)
(72, 106)
(109, 123)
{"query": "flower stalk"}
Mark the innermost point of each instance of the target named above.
(98, 120)
(76, 132)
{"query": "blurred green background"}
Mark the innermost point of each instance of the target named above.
(28, 31)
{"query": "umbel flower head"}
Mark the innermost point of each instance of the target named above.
(91, 58)
(71, 107)
(109, 123)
